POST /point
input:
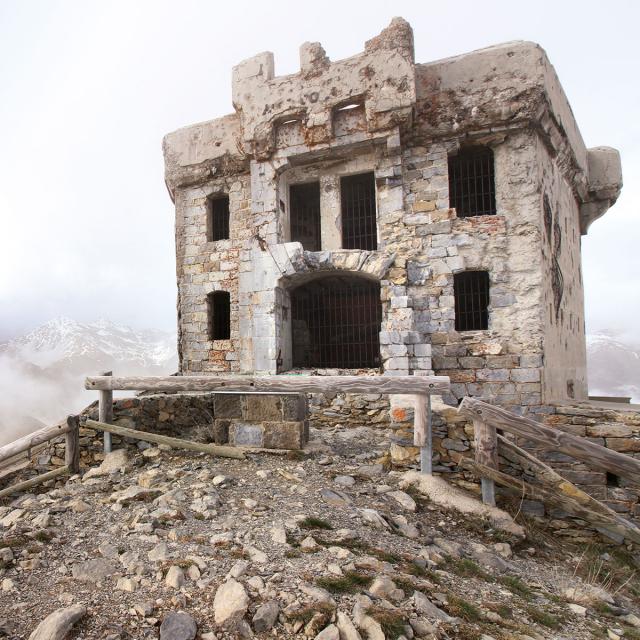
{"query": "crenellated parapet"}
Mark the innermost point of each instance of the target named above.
(381, 79)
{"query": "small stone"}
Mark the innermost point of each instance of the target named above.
(308, 545)
(250, 503)
(503, 549)
(265, 616)
(231, 602)
(346, 628)
(384, 587)
(344, 481)
(8, 585)
(174, 577)
(279, 534)
(578, 609)
(79, 506)
(126, 584)
(404, 500)
(335, 498)
(256, 555)
(178, 625)
(94, 570)
(373, 518)
(238, 569)
(329, 633)
(426, 607)
(57, 625)
(159, 553)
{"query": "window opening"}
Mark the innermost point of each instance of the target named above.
(471, 292)
(336, 324)
(218, 218)
(358, 197)
(472, 182)
(219, 303)
(305, 215)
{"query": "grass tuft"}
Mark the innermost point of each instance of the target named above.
(392, 622)
(350, 582)
(311, 522)
(463, 609)
(543, 617)
(515, 585)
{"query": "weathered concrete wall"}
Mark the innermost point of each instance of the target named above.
(564, 373)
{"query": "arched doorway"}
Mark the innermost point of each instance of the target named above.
(335, 323)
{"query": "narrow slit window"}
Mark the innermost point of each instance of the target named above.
(472, 189)
(471, 293)
(218, 218)
(305, 215)
(219, 303)
(358, 196)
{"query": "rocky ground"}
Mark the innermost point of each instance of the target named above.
(331, 544)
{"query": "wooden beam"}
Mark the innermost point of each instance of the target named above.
(72, 445)
(422, 436)
(580, 448)
(486, 454)
(176, 443)
(32, 440)
(599, 516)
(274, 384)
(27, 484)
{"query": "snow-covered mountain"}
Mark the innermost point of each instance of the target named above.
(613, 365)
(42, 371)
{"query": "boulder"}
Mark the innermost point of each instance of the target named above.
(178, 625)
(231, 602)
(57, 625)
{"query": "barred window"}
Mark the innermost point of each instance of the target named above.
(336, 323)
(471, 292)
(217, 218)
(219, 308)
(472, 182)
(305, 215)
(358, 197)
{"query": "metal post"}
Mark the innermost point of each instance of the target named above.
(105, 411)
(426, 452)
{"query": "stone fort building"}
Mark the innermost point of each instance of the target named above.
(380, 215)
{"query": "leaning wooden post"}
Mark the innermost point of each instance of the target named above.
(486, 440)
(105, 411)
(422, 431)
(72, 444)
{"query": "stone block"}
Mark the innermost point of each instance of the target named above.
(525, 375)
(227, 405)
(245, 434)
(609, 430)
(283, 435)
(258, 407)
(492, 375)
(294, 407)
(624, 445)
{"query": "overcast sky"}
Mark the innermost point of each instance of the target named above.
(88, 88)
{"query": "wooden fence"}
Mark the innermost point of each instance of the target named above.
(553, 488)
(421, 387)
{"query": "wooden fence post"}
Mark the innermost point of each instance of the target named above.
(486, 440)
(72, 444)
(422, 436)
(105, 411)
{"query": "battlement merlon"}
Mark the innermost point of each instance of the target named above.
(475, 96)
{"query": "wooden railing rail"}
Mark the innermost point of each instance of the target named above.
(71, 432)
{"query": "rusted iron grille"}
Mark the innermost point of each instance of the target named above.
(358, 195)
(219, 304)
(336, 324)
(305, 215)
(471, 290)
(472, 182)
(218, 219)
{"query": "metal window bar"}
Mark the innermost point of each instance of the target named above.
(219, 303)
(336, 325)
(218, 224)
(358, 197)
(472, 182)
(304, 202)
(471, 293)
